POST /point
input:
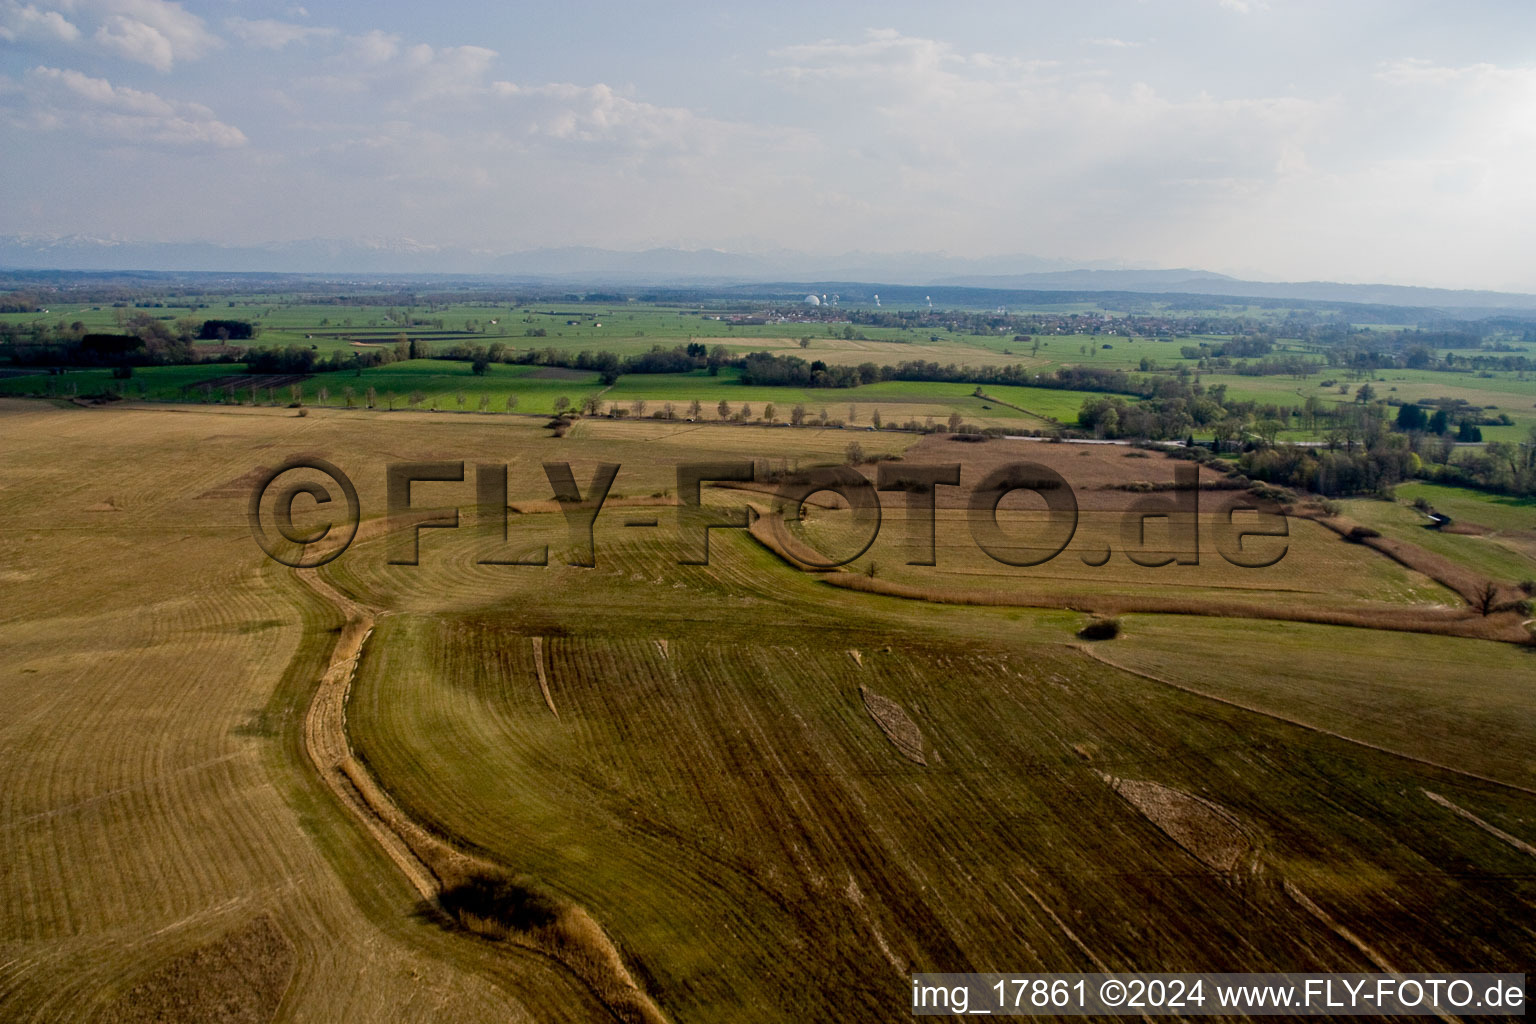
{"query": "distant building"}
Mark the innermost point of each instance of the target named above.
(812, 300)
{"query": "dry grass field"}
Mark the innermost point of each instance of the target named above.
(771, 798)
(1312, 566)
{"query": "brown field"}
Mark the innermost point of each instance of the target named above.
(218, 775)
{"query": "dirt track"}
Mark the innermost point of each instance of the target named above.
(431, 864)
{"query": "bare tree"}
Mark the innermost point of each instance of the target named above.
(1487, 597)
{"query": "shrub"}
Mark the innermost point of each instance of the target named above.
(1100, 629)
(1360, 534)
(501, 903)
(1268, 492)
(1330, 508)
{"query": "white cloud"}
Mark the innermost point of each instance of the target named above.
(269, 34)
(373, 47)
(20, 21)
(1245, 6)
(597, 113)
(158, 33)
(924, 103)
(448, 70)
(56, 99)
(380, 69)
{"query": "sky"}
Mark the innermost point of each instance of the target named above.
(1350, 140)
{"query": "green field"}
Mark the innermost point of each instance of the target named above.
(1500, 512)
(1506, 551)
(442, 382)
(1454, 702)
(571, 325)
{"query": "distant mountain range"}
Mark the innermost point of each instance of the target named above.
(579, 265)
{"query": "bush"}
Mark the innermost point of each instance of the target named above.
(1360, 534)
(1268, 492)
(1100, 629)
(1330, 508)
(509, 903)
(226, 330)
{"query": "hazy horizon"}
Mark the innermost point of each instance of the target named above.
(1265, 141)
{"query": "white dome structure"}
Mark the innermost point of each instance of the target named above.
(812, 300)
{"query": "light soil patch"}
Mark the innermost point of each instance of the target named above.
(238, 979)
(538, 666)
(1208, 832)
(893, 721)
